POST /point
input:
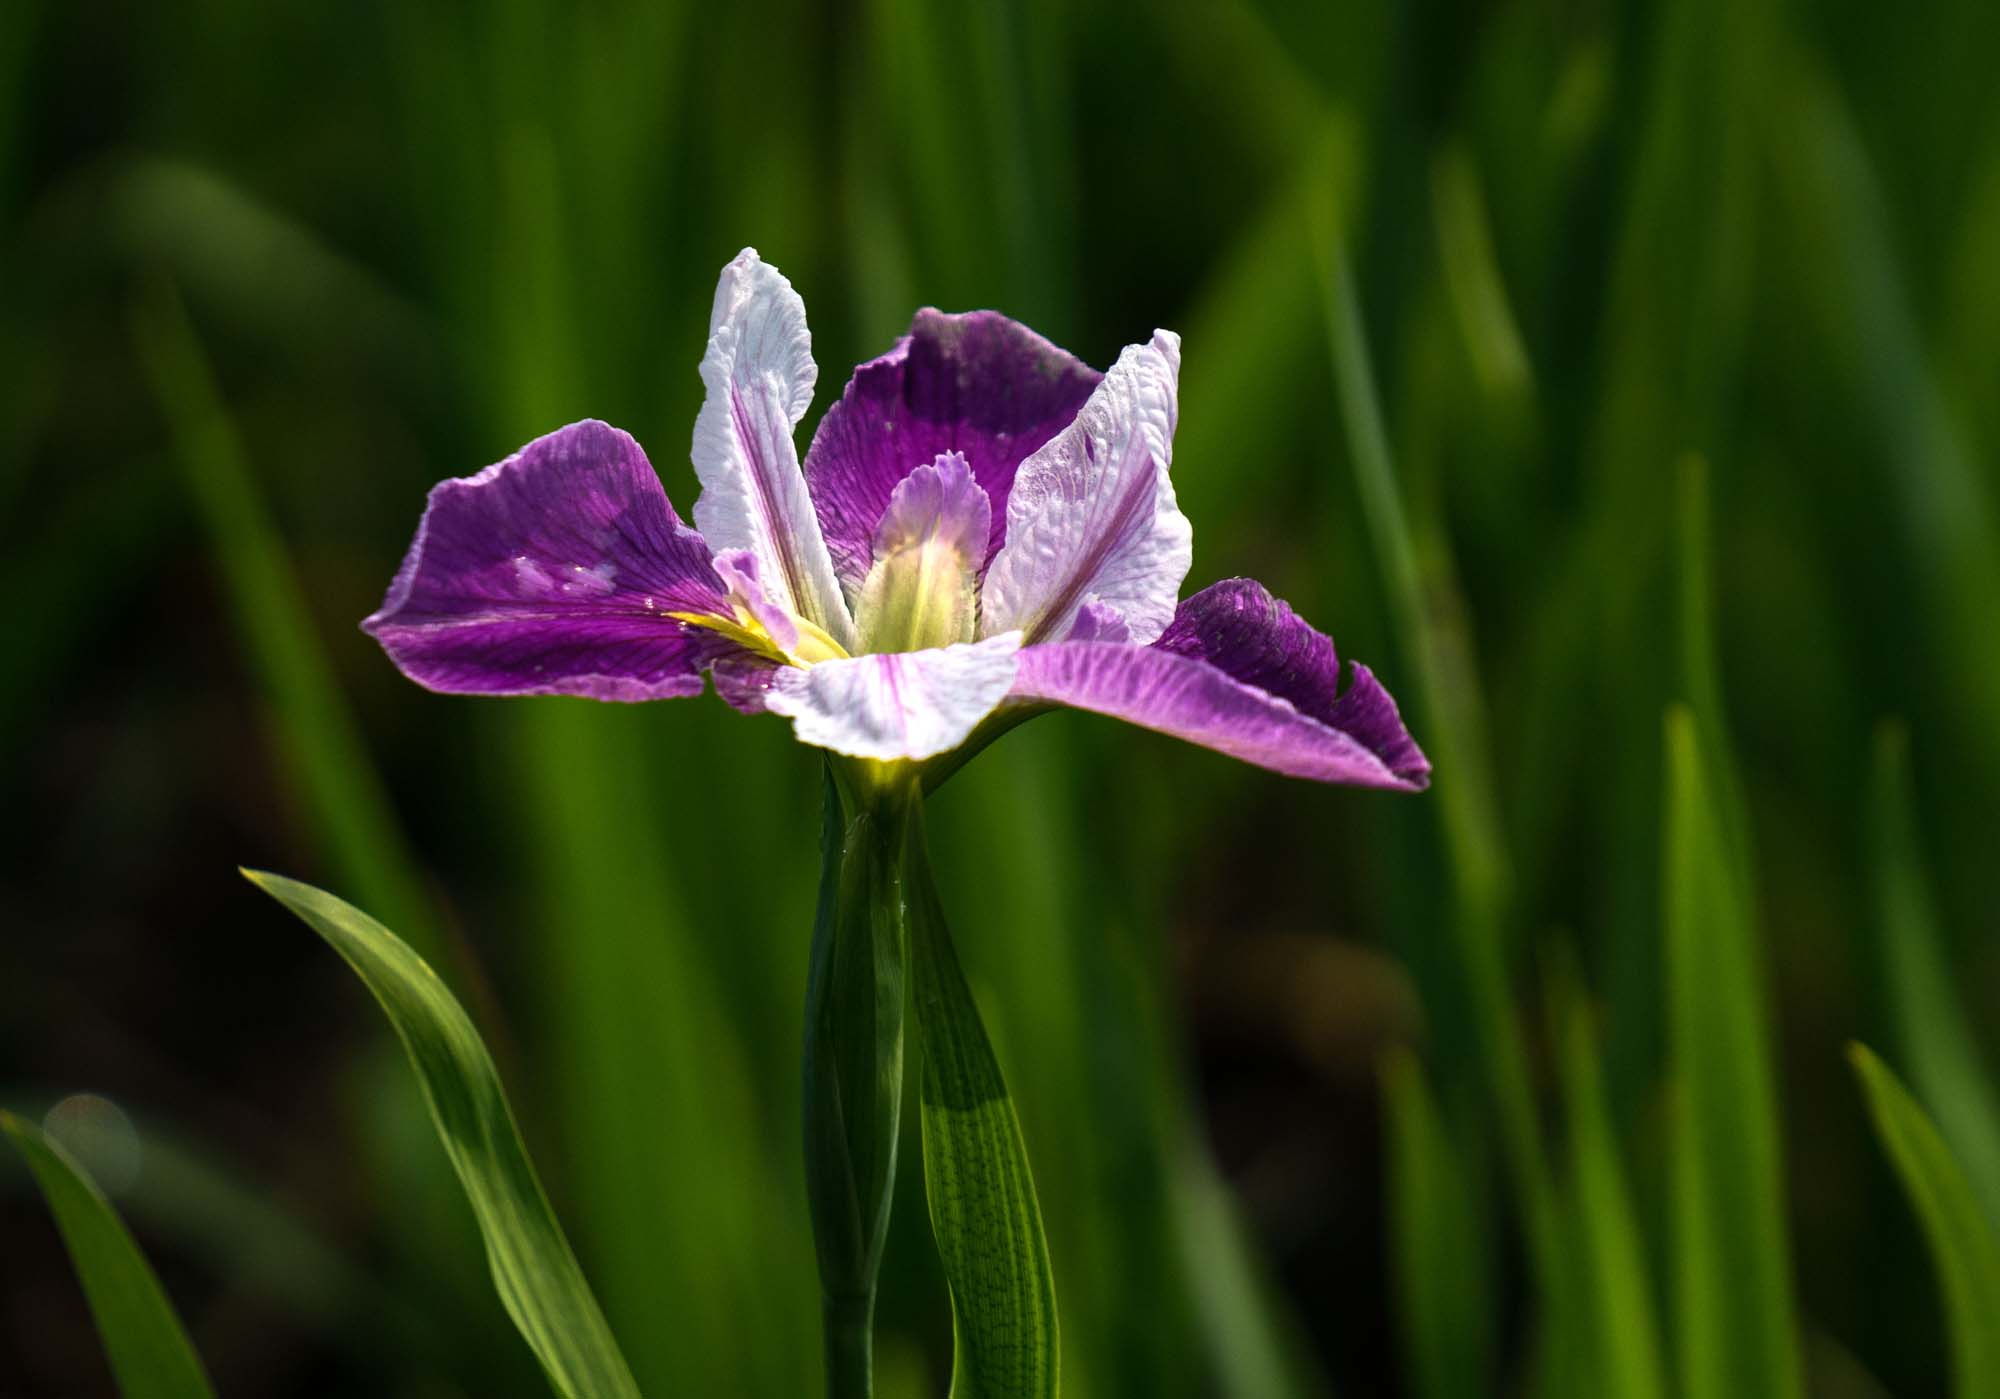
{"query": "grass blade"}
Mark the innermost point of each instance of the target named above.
(1961, 1238)
(1437, 646)
(536, 1274)
(149, 1352)
(1252, 1351)
(984, 1213)
(1932, 473)
(1621, 1328)
(317, 734)
(1736, 1330)
(1435, 1223)
(1932, 1031)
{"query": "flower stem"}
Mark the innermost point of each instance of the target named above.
(853, 1060)
(850, 1347)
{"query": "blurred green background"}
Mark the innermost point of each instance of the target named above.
(1567, 360)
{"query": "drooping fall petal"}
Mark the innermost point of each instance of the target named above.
(908, 704)
(553, 572)
(1239, 672)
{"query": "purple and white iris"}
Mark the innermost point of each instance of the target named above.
(983, 524)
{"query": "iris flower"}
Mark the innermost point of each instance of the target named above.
(983, 527)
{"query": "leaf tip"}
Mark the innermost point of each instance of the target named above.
(1680, 726)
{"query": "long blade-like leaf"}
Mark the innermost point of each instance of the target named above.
(316, 733)
(1614, 1297)
(533, 1268)
(1437, 1234)
(1437, 1238)
(1962, 1240)
(1734, 1311)
(984, 1213)
(149, 1352)
(1423, 598)
(1934, 1039)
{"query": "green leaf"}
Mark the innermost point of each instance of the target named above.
(1249, 1334)
(1430, 614)
(1935, 488)
(1436, 1234)
(1933, 1036)
(536, 1274)
(315, 733)
(1736, 1331)
(1700, 669)
(1963, 1245)
(984, 1213)
(1619, 1329)
(143, 1339)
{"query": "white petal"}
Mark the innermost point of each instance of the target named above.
(902, 704)
(1092, 516)
(759, 374)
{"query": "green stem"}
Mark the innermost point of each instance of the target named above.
(853, 1060)
(850, 1346)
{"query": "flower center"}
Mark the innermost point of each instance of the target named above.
(811, 645)
(917, 598)
(923, 590)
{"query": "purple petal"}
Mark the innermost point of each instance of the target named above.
(1237, 671)
(938, 503)
(742, 680)
(1092, 517)
(1237, 626)
(759, 374)
(976, 383)
(738, 570)
(552, 573)
(1097, 622)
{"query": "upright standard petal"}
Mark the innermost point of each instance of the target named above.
(759, 375)
(1238, 671)
(553, 572)
(1092, 516)
(977, 383)
(908, 704)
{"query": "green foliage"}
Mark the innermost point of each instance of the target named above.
(1561, 362)
(984, 1213)
(1733, 1306)
(1964, 1246)
(536, 1274)
(1615, 1318)
(343, 796)
(1933, 1034)
(855, 994)
(1436, 1233)
(149, 1351)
